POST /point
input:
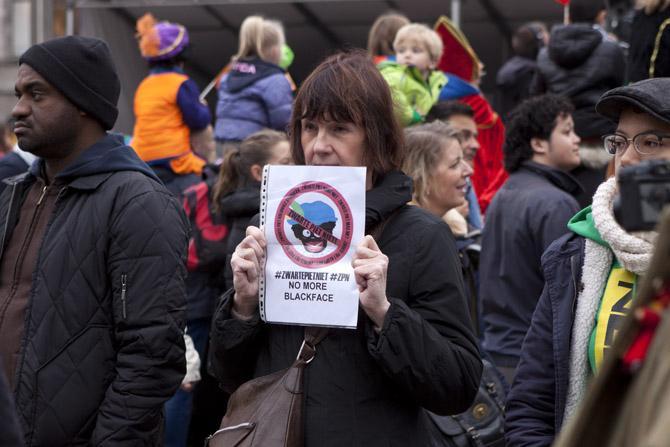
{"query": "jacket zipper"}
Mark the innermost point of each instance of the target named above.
(29, 235)
(124, 288)
(21, 255)
(44, 191)
(573, 271)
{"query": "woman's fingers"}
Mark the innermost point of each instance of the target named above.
(250, 242)
(242, 266)
(370, 271)
(361, 282)
(358, 262)
(248, 253)
(258, 235)
(369, 242)
(367, 248)
(365, 252)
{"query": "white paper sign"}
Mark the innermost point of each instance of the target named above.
(313, 217)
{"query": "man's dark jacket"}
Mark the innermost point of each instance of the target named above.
(10, 165)
(102, 346)
(526, 215)
(10, 435)
(536, 401)
(581, 65)
(364, 388)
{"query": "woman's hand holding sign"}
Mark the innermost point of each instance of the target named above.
(370, 267)
(247, 262)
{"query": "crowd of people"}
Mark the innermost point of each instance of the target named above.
(493, 268)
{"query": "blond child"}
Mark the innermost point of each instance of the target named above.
(413, 78)
(256, 93)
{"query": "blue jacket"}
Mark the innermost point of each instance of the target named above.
(526, 215)
(536, 402)
(254, 95)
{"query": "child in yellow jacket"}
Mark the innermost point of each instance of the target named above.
(414, 81)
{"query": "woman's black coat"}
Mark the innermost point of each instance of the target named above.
(363, 388)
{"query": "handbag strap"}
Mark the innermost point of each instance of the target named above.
(313, 336)
(470, 431)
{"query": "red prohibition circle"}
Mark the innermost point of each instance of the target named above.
(345, 214)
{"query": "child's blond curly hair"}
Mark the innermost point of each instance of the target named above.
(418, 32)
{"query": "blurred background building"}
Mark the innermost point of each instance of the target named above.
(314, 29)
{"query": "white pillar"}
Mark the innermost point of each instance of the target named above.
(456, 12)
(69, 18)
(39, 21)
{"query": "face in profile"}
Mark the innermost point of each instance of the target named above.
(563, 145)
(46, 123)
(467, 128)
(448, 181)
(280, 154)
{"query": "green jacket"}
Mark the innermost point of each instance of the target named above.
(412, 94)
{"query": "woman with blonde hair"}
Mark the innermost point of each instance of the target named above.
(435, 162)
(255, 93)
(649, 53)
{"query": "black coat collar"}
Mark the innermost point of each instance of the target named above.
(560, 179)
(389, 193)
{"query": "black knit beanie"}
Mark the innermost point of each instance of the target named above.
(81, 68)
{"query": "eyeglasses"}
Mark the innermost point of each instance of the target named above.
(646, 143)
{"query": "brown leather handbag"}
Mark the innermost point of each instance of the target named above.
(267, 411)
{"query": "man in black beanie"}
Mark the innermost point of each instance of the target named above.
(91, 262)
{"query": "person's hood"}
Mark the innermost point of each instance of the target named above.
(571, 45)
(456, 87)
(246, 72)
(107, 155)
(582, 224)
(243, 202)
(388, 194)
(513, 68)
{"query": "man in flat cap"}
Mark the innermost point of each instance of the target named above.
(92, 262)
(591, 277)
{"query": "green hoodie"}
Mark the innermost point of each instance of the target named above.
(583, 225)
(412, 94)
(619, 289)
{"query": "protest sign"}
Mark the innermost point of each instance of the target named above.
(313, 217)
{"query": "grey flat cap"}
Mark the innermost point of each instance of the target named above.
(651, 96)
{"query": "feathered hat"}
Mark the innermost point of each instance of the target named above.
(160, 40)
(458, 57)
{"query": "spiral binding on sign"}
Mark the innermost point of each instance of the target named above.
(264, 204)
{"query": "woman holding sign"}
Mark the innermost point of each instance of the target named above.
(414, 345)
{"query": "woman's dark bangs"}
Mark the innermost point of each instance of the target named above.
(325, 99)
(328, 108)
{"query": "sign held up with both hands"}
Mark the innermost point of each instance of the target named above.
(313, 217)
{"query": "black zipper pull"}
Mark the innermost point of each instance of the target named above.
(124, 287)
